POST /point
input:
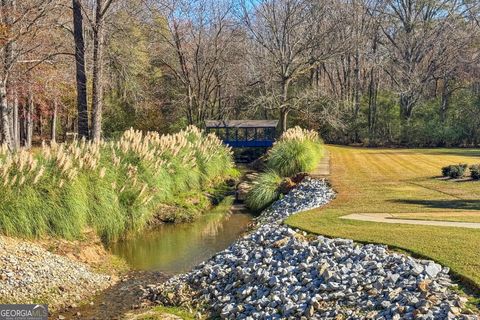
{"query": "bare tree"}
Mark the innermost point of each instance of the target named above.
(293, 36)
(26, 25)
(417, 36)
(8, 9)
(198, 47)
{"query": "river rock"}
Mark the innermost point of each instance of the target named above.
(275, 272)
(432, 269)
(242, 190)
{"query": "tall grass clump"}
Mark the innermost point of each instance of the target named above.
(264, 191)
(297, 150)
(475, 171)
(114, 187)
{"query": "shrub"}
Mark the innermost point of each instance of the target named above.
(297, 150)
(114, 187)
(264, 191)
(457, 171)
(475, 172)
(446, 171)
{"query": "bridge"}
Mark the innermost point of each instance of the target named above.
(244, 133)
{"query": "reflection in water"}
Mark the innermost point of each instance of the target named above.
(176, 248)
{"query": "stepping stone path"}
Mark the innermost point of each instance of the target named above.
(387, 218)
(276, 272)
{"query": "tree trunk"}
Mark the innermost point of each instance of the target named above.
(283, 119)
(23, 125)
(5, 109)
(16, 123)
(372, 94)
(40, 125)
(407, 103)
(372, 104)
(284, 108)
(97, 90)
(54, 121)
(356, 84)
(4, 112)
(445, 101)
(29, 121)
(356, 94)
(190, 110)
(10, 121)
(81, 78)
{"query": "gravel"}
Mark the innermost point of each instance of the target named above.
(276, 272)
(30, 273)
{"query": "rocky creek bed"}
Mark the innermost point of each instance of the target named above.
(276, 272)
(30, 273)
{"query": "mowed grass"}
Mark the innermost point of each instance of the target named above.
(405, 183)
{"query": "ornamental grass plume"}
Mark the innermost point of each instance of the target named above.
(101, 174)
(38, 175)
(297, 150)
(14, 179)
(114, 187)
(3, 149)
(300, 134)
(21, 180)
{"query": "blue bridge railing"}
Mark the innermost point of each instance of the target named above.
(249, 144)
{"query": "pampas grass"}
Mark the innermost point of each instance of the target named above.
(264, 191)
(114, 187)
(297, 150)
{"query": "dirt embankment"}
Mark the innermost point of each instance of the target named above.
(56, 272)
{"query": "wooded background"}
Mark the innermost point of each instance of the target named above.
(391, 72)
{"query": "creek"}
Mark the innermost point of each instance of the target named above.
(176, 248)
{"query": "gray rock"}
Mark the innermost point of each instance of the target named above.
(275, 273)
(432, 269)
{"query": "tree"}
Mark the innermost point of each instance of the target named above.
(290, 34)
(417, 36)
(8, 9)
(101, 9)
(22, 24)
(81, 77)
(199, 46)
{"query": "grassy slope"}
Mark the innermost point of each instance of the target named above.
(402, 181)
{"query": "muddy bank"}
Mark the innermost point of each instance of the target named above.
(116, 301)
(77, 279)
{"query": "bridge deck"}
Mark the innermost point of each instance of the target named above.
(244, 133)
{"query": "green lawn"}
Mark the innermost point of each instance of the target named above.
(403, 182)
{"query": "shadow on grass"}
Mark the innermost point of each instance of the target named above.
(457, 180)
(455, 152)
(426, 151)
(473, 205)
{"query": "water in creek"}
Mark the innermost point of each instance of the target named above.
(176, 248)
